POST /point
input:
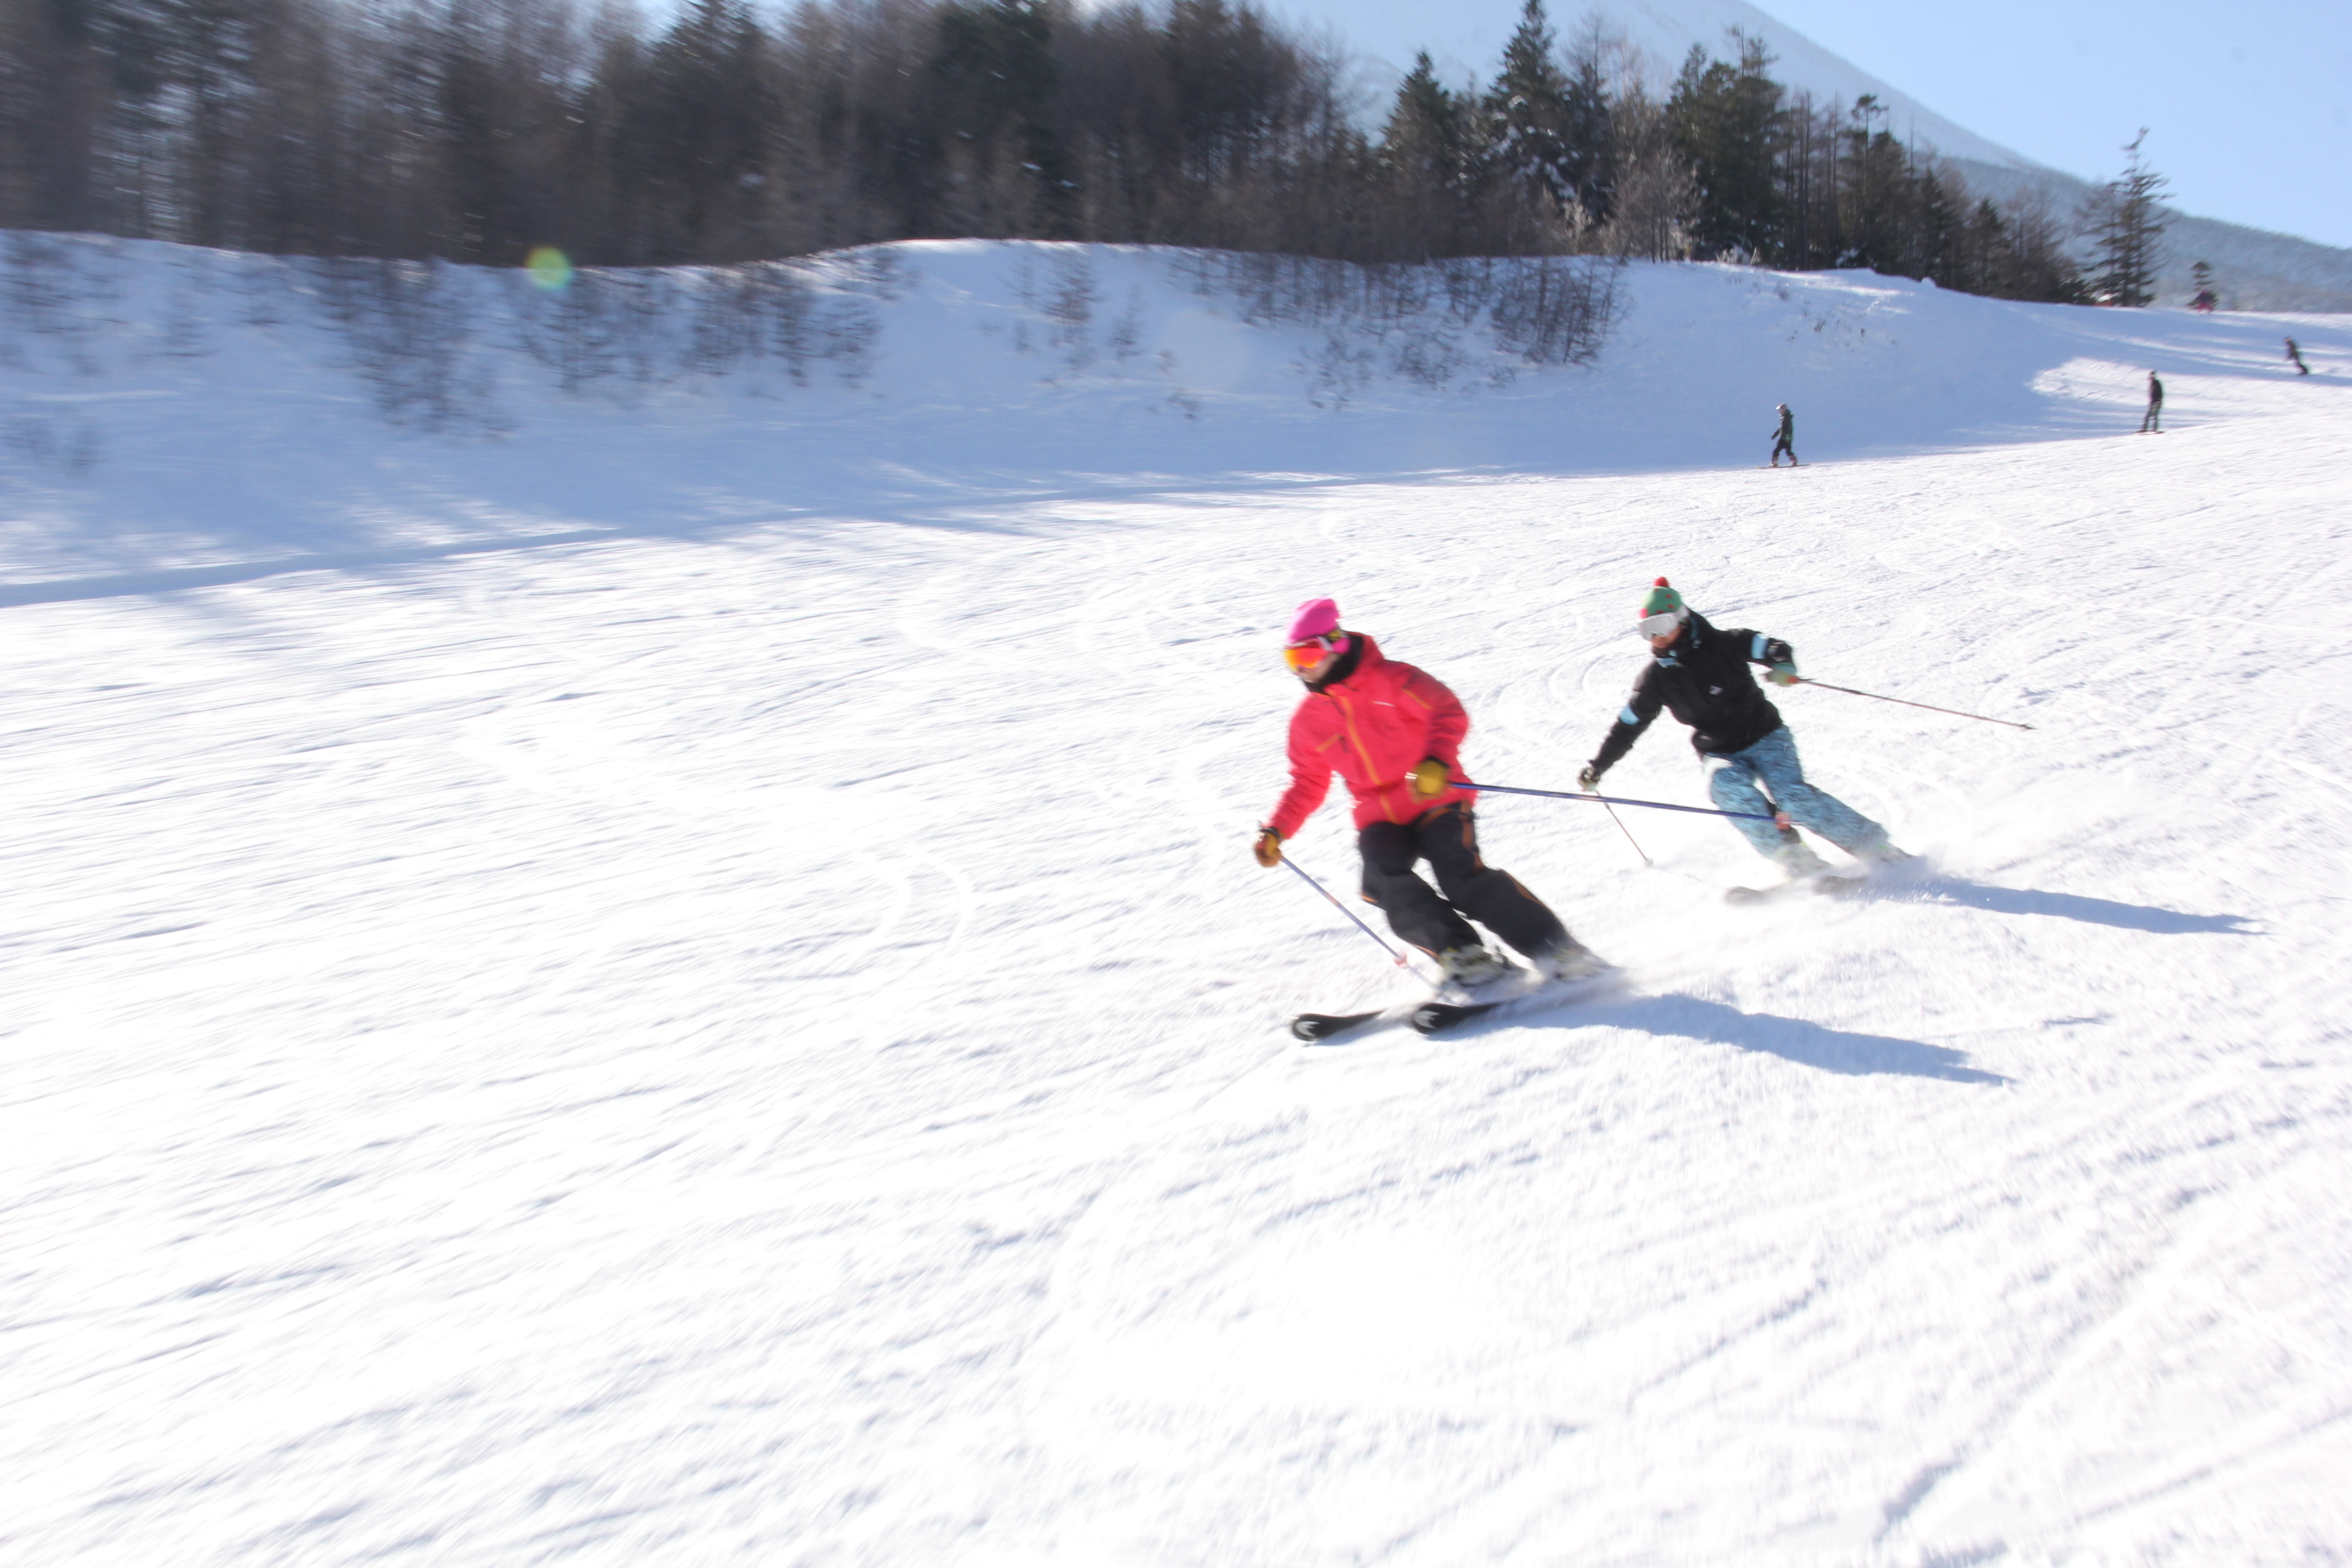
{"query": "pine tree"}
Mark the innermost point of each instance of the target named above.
(996, 74)
(1427, 138)
(1427, 157)
(2122, 219)
(1728, 124)
(1874, 198)
(1528, 115)
(1588, 130)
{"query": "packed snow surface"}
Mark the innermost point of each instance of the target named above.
(671, 972)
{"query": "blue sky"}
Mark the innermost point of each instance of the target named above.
(2248, 104)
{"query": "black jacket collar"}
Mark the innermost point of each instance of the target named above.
(1694, 632)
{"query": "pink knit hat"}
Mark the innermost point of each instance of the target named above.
(1316, 617)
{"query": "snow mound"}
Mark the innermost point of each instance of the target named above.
(171, 409)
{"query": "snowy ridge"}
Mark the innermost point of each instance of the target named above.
(2258, 271)
(672, 971)
(1464, 40)
(2254, 269)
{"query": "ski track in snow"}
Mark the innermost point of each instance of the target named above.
(762, 1040)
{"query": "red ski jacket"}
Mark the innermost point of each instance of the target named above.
(1371, 726)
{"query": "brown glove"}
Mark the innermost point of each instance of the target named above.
(1429, 779)
(1269, 848)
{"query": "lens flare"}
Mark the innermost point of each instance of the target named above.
(548, 268)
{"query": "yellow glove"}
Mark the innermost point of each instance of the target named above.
(1269, 848)
(1429, 780)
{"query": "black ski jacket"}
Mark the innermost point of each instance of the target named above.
(1704, 680)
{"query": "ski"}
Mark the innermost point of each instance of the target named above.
(1437, 1016)
(1518, 991)
(1828, 887)
(1314, 1026)
(1431, 1016)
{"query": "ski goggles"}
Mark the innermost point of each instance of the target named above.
(1308, 652)
(1664, 624)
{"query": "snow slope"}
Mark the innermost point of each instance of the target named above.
(671, 972)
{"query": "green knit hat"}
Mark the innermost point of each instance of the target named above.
(1661, 600)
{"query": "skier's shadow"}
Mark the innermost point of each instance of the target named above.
(1945, 888)
(1792, 1040)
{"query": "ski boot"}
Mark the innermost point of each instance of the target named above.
(1471, 967)
(1799, 862)
(1572, 960)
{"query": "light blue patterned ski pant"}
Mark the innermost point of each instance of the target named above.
(1768, 775)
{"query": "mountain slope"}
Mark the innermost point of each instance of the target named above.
(1466, 41)
(2255, 269)
(2259, 270)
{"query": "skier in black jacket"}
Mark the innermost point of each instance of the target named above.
(1784, 436)
(1699, 672)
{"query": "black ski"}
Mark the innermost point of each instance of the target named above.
(1313, 1026)
(1437, 1016)
(1431, 1016)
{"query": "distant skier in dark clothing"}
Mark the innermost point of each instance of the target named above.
(2154, 418)
(1699, 673)
(2294, 356)
(1784, 439)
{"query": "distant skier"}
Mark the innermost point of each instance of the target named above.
(1395, 733)
(2294, 357)
(2154, 418)
(1784, 439)
(1699, 673)
(2204, 301)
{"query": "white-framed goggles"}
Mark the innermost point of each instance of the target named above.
(1664, 624)
(1308, 652)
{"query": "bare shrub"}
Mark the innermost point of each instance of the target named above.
(1125, 337)
(1069, 310)
(407, 329)
(1555, 310)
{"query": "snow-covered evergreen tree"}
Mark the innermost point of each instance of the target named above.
(1528, 116)
(2122, 220)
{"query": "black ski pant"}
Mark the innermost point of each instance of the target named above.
(1782, 444)
(1447, 838)
(2153, 420)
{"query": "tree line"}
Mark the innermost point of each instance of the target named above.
(476, 131)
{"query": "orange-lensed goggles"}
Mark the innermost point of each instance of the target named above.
(1308, 652)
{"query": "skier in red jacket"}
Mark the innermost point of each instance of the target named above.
(1395, 733)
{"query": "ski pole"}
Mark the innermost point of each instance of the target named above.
(1907, 702)
(1344, 910)
(1626, 831)
(1613, 800)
